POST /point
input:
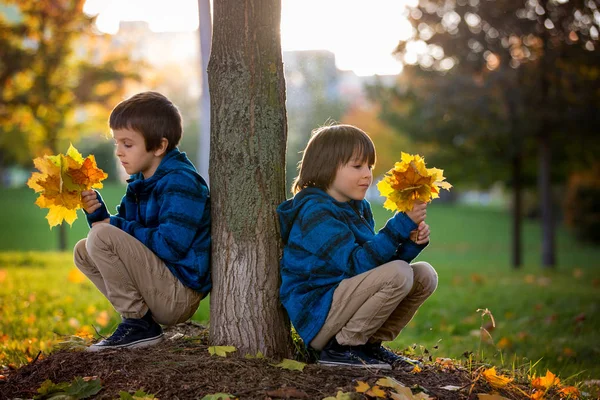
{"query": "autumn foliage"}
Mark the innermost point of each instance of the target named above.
(410, 181)
(60, 181)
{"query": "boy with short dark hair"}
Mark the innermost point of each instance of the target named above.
(152, 259)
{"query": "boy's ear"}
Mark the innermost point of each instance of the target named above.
(162, 147)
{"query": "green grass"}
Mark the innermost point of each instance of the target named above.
(550, 316)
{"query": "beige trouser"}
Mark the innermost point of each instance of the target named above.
(376, 305)
(132, 277)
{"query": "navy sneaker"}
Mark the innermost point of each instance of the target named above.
(132, 333)
(377, 351)
(337, 355)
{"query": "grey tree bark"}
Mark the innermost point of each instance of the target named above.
(247, 171)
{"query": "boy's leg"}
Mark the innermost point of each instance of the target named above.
(135, 279)
(87, 267)
(425, 282)
(362, 304)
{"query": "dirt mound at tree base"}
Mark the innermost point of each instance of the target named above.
(182, 368)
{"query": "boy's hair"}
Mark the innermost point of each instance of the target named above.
(329, 148)
(152, 115)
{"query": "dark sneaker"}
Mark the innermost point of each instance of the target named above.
(131, 333)
(377, 351)
(337, 355)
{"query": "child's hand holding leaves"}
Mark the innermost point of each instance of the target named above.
(421, 234)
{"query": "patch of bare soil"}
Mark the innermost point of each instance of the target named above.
(182, 368)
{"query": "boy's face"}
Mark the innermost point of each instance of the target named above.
(351, 181)
(130, 148)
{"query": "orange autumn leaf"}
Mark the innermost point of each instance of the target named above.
(60, 181)
(88, 174)
(411, 181)
(570, 392)
(362, 387)
(537, 396)
(545, 382)
(376, 391)
(496, 381)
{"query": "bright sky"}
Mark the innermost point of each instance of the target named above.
(362, 34)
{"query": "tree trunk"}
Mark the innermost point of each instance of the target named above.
(512, 99)
(205, 32)
(545, 190)
(247, 171)
(517, 205)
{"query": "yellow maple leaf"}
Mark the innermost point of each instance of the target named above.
(362, 387)
(60, 181)
(545, 382)
(376, 391)
(410, 181)
(496, 381)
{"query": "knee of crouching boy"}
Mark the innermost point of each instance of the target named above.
(400, 274)
(427, 275)
(98, 237)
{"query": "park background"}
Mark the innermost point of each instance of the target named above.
(488, 125)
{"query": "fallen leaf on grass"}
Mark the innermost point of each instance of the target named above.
(504, 343)
(376, 391)
(570, 392)
(287, 393)
(77, 389)
(138, 395)
(343, 396)
(391, 383)
(545, 382)
(445, 363)
(362, 387)
(218, 396)
(483, 396)
(539, 395)
(221, 351)
(416, 370)
(402, 394)
(292, 365)
(258, 355)
(75, 276)
(496, 381)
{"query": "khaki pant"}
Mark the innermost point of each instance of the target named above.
(132, 277)
(376, 305)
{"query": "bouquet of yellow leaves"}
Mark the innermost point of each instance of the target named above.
(410, 181)
(60, 182)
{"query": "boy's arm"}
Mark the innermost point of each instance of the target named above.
(183, 200)
(100, 214)
(330, 238)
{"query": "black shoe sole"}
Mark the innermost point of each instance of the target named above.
(364, 365)
(133, 345)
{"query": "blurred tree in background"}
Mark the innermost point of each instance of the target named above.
(503, 81)
(58, 79)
